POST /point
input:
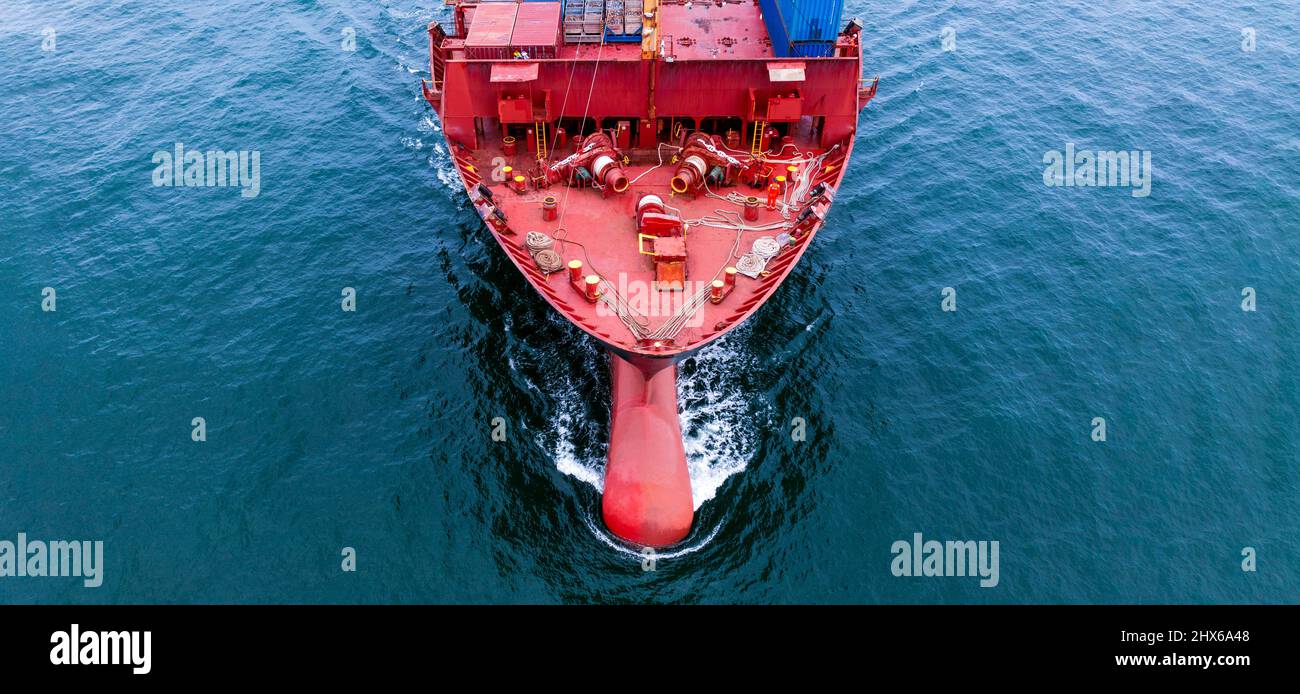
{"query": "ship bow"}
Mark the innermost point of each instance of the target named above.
(647, 499)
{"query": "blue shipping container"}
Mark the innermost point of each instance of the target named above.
(801, 21)
(812, 49)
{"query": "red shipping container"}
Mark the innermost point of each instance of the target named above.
(490, 30)
(537, 30)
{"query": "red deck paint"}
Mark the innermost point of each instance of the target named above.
(697, 33)
(707, 69)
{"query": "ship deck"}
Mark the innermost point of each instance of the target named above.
(712, 32)
(601, 231)
(704, 73)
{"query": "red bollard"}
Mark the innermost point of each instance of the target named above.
(592, 288)
(549, 209)
(751, 209)
(715, 292)
(575, 271)
(508, 146)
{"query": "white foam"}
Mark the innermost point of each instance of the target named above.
(561, 438)
(439, 157)
(620, 546)
(714, 413)
(717, 431)
(566, 458)
(444, 169)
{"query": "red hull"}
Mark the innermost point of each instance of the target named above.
(687, 127)
(647, 486)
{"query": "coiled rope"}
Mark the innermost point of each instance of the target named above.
(540, 246)
(549, 261)
(537, 241)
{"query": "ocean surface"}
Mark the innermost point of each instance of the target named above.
(371, 429)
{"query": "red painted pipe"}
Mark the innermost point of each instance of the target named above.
(647, 487)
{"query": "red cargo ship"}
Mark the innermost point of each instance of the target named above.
(654, 169)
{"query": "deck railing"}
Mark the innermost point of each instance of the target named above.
(866, 92)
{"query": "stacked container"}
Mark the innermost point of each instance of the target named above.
(590, 21)
(614, 17)
(490, 32)
(593, 19)
(633, 17)
(573, 30)
(537, 30)
(623, 20)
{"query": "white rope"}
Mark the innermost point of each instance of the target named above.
(591, 89)
(555, 135)
(660, 150)
(635, 322)
(684, 313)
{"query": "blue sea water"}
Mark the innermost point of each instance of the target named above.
(371, 429)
